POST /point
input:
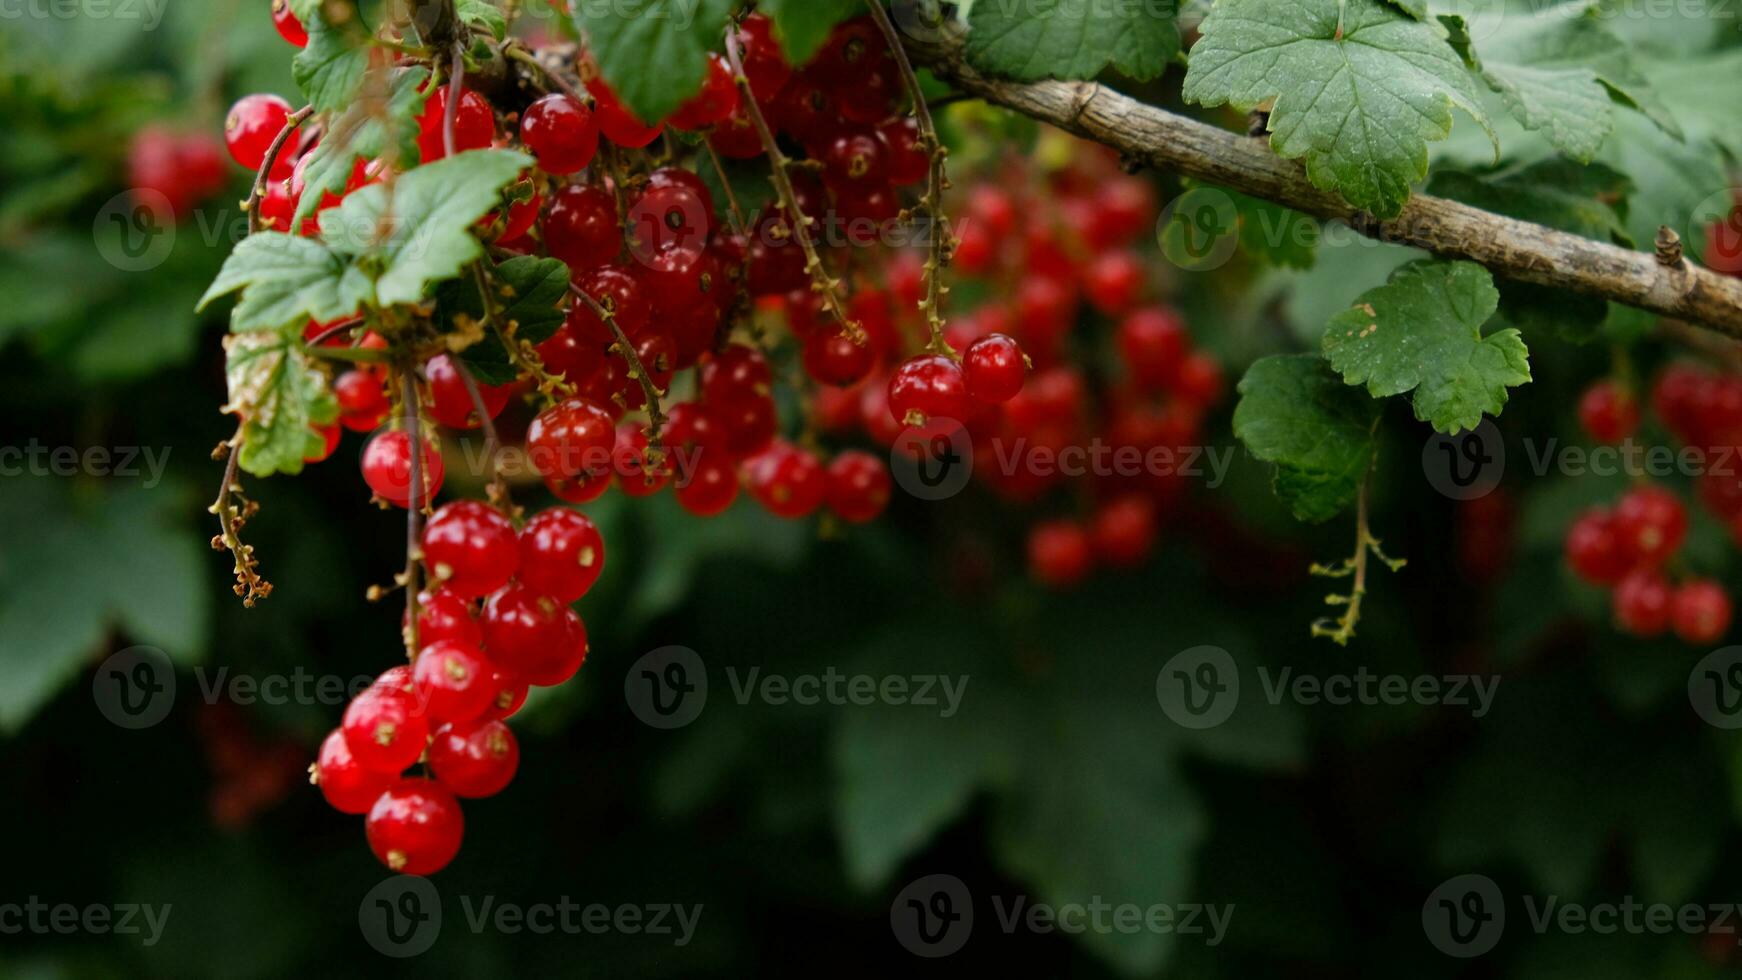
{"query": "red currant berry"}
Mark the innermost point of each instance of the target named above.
(363, 404)
(470, 549)
(695, 425)
(291, 30)
(1152, 342)
(451, 401)
(859, 205)
(855, 159)
(787, 481)
(1608, 412)
(908, 162)
(509, 697)
(1642, 603)
(254, 122)
(619, 294)
(1700, 612)
(387, 469)
(561, 554)
(581, 228)
(764, 63)
(476, 759)
(751, 424)
(1123, 531)
(709, 488)
(736, 374)
(573, 439)
(330, 435)
(454, 681)
(994, 369)
(442, 615)
(858, 486)
(1123, 209)
(616, 121)
(928, 387)
(1650, 524)
(415, 827)
(736, 138)
(777, 262)
(1059, 554)
(524, 632)
(832, 358)
(717, 100)
(639, 472)
(1593, 549)
(386, 729)
(1200, 380)
(1113, 282)
(566, 659)
(561, 133)
(474, 125)
(348, 787)
(993, 207)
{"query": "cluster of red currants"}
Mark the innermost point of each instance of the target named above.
(1627, 548)
(472, 671)
(186, 168)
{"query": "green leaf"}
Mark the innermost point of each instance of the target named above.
(422, 230)
(1068, 39)
(653, 53)
(1275, 234)
(1422, 332)
(329, 71)
(535, 290)
(284, 279)
(375, 122)
(483, 15)
(1358, 88)
(1414, 8)
(1318, 432)
(279, 395)
(1559, 70)
(801, 26)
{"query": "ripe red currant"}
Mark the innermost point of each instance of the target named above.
(474, 759)
(1152, 342)
(994, 368)
(386, 729)
(288, 26)
(474, 125)
(253, 123)
(454, 681)
(640, 473)
(1700, 612)
(788, 481)
(561, 554)
(616, 121)
(619, 294)
(908, 162)
(451, 401)
(928, 387)
(347, 786)
(764, 64)
(1608, 412)
(858, 486)
(717, 100)
(1651, 524)
(572, 439)
(1114, 282)
(387, 469)
(442, 615)
(855, 159)
(1594, 550)
(1059, 553)
(415, 827)
(510, 695)
(1200, 380)
(363, 404)
(1642, 603)
(525, 632)
(561, 133)
(581, 228)
(469, 548)
(832, 358)
(1123, 531)
(710, 486)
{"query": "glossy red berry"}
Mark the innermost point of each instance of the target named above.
(250, 128)
(561, 554)
(1700, 612)
(750, 425)
(1651, 524)
(1608, 412)
(510, 695)
(387, 469)
(347, 786)
(572, 439)
(454, 680)
(640, 473)
(786, 480)
(525, 632)
(415, 827)
(1059, 553)
(288, 26)
(581, 228)
(474, 125)
(363, 404)
(832, 358)
(717, 100)
(994, 369)
(566, 659)
(1594, 550)
(451, 401)
(469, 548)
(1643, 603)
(330, 435)
(908, 162)
(616, 121)
(928, 387)
(735, 374)
(1152, 342)
(764, 64)
(620, 294)
(1114, 282)
(561, 133)
(856, 158)
(442, 615)
(710, 486)
(386, 729)
(475, 759)
(858, 486)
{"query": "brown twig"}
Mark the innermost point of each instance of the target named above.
(456, 91)
(231, 517)
(637, 371)
(497, 488)
(414, 504)
(258, 194)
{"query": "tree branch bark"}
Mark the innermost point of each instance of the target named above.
(1508, 247)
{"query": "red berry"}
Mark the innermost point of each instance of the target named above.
(994, 369)
(386, 729)
(787, 481)
(572, 439)
(454, 681)
(858, 486)
(1123, 209)
(856, 159)
(619, 294)
(442, 615)
(561, 133)
(1594, 550)
(908, 162)
(928, 387)
(1700, 612)
(561, 554)
(451, 401)
(764, 64)
(993, 207)
(1200, 380)
(717, 100)
(290, 29)
(1059, 554)
(475, 759)
(569, 654)
(363, 404)
(581, 228)
(616, 121)
(415, 827)
(509, 695)
(349, 787)
(474, 125)
(736, 374)
(1642, 603)
(1123, 531)
(387, 469)
(330, 435)
(1152, 343)
(639, 473)
(832, 358)
(1650, 524)
(750, 423)
(249, 130)
(1113, 282)
(525, 632)
(709, 488)
(469, 548)
(1608, 412)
